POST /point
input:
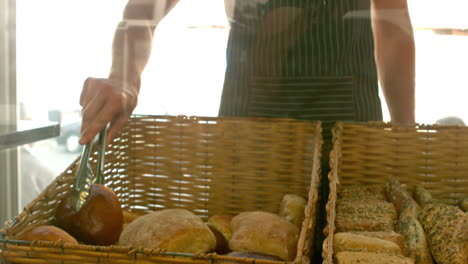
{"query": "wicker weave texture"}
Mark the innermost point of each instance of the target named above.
(207, 165)
(435, 157)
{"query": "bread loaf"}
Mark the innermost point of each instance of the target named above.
(292, 209)
(350, 222)
(356, 243)
(175, 230)
(369, 192)
(389, 236)
(447, 231)
(417, 246)
(48, 233)
(370, 258)
(264, 233)
(367, 208)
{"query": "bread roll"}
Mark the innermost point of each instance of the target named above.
(417, 246)
(265, 233)
(222, 223)
(99, 221)
(389, 236)
(355, 242)
(175, 230)
(446, 227)
(48, 233)
(370, 258)
(292, 208)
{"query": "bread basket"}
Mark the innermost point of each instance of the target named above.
(365, 154)
(207, 165)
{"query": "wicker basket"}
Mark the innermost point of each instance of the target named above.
(434, 157)
(206, 165)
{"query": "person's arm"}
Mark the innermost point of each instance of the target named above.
(395, 57)
(113, 100)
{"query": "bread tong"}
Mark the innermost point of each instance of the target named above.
(84, 176)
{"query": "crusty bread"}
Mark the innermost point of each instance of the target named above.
(265, 233)
(292, 209)
(175, 230)
(48, 233)
(370, 258)
(446, 227)
(355, 242)
(389, 236)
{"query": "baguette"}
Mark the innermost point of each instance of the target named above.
(370, 258)
(417, 246)
(356, 243)
(447, 230)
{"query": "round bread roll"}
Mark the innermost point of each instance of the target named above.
(48, 233)
(264, 233)
(175, 230)
(292, 208)
(220, 225)
(99, 221)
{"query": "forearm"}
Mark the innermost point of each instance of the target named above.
(133, 38)
(395, 58)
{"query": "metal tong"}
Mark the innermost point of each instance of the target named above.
(84, 176)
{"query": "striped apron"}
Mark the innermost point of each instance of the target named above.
(302, 59)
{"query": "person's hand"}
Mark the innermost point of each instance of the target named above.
(106, 101)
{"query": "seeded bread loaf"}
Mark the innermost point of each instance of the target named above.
(447, 231)
(417, 246)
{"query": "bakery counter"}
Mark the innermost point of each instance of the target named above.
(26, 132)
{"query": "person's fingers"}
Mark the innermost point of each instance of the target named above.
(85, 92)
(114, 107)
(115, 127)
